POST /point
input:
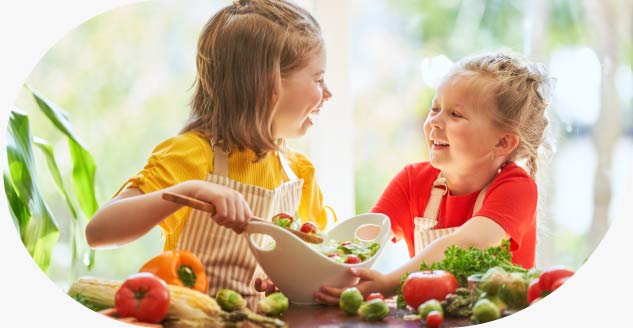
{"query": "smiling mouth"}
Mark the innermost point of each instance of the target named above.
(438, 144)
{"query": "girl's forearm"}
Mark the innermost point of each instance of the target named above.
(126, 219)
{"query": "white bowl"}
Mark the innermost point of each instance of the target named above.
(299, 270)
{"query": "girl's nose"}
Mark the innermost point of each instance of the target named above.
(327, 94)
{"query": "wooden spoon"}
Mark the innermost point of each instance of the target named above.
(208, 207)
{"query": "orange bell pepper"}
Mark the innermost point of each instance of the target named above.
(181, 268)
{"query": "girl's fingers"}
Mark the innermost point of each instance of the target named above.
(239, 216)
(325, 299)
(220, 211)
(230, 212)
(364, 274)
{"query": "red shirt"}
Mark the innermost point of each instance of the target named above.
(510, 201)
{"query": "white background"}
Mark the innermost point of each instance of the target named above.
(598, 295)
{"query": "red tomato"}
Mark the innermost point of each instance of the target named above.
(345, 243)
(534, 291)
(308, 227)
(352, 259)
(558, 283)
(143, 296)
(434, 319)
(426, 285)
(374, 296)
(549, 276)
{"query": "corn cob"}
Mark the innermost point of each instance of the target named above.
(188, 308)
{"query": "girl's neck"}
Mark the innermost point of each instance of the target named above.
(466, 183)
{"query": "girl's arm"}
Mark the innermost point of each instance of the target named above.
(131, 214)
(480, 232)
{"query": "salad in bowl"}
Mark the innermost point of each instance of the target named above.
(299, 268)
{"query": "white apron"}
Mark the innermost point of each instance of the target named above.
(424, 232)
(226, 256)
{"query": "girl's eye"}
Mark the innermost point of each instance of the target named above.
(456, 114)
(320, 81)
(435, 109)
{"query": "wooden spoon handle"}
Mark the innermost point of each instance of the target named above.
(189, 201)
(208, 207)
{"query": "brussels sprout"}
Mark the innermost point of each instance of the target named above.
(274, 304)
(514, 291)
(229, 300)
(374, 310)
(428, 306)
(501, 305)
(492, 280)
(485, 310)
(350, 300)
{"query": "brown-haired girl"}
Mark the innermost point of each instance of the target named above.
(487, 114)
(261, 66)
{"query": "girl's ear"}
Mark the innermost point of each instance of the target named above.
(507, 143)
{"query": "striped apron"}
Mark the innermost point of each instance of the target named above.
(424, 232)
(226, 256)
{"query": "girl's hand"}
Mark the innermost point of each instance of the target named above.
(231, 209)
(371, 281)
(265, 285)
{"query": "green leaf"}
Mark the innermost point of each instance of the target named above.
(47, 150)
(19, 211)
(41, 232)
(83, 163)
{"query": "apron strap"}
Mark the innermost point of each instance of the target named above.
(286, 166)
(220, 162)
(439, 189)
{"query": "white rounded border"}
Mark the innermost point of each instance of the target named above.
(595, 296)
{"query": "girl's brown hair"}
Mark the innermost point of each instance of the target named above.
(520, 90)
(244, 51)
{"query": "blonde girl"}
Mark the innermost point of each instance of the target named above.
(260, 78)
(487, 114)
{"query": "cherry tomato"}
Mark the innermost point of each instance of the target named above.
(534, 291)
(352, 259)
(549, 276)
(283, 215)
(422, 286)
(308, 227)
(434, 319)
(374, 296)
(558, 283)
(345, 243)
(143, 296)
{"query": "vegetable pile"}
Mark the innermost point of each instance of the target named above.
(373, 308)
(480, 284)
(167, 291)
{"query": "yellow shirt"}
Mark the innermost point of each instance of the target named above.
(189, 156)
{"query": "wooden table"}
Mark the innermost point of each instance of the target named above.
(332, 316)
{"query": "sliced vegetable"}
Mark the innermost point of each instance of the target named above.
(143, 296)
(283, 219)
(180, 268)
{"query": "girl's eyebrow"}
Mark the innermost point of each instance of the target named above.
(321, 72)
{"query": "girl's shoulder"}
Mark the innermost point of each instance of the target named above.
(300, 163)
(513, 175)
(191, 145)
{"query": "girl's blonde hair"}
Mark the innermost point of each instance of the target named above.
(244, 51)
(520, 91)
